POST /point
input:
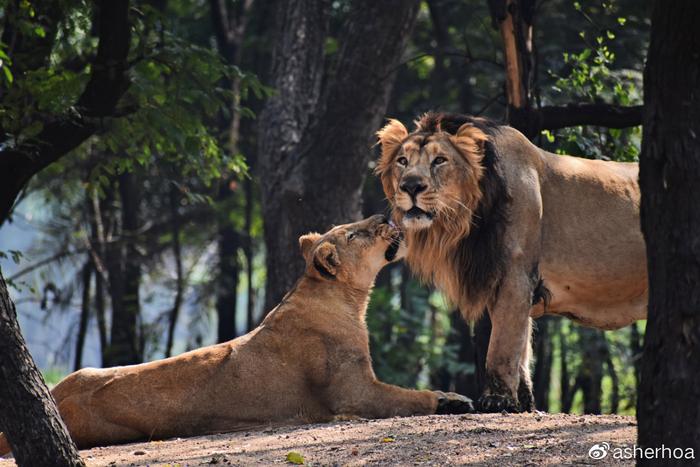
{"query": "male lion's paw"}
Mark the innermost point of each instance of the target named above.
(497, 403)
(453, 403)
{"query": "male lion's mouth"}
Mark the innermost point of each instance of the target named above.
(416, 213)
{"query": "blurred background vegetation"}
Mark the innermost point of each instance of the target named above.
(148, 239)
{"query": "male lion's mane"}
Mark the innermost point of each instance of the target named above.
(464, 254)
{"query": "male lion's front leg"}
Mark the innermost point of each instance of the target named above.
(507, 359)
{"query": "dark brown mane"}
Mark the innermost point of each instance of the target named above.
(479, 259)
(433, 122)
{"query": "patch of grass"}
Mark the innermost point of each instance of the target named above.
(53, 376)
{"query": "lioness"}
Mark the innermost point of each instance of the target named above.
(307, 362)
(498, 223)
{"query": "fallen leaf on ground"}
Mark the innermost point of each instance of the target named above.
(295, 458)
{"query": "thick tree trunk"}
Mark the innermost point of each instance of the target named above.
(30, 420)
(668, 408)
(305, 128)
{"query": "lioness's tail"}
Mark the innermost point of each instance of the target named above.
(4, 445)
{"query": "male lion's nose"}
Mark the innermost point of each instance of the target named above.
(413, 186)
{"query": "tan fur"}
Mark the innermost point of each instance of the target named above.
(307, 362)
(576, 221)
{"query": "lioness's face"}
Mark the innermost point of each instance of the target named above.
(353, 253)
(429, 175)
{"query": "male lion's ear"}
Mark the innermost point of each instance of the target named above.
(306, 242)
(390, 137)
(326, 260)
(471, 141)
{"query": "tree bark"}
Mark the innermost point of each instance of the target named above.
(31, 422)
(306, 127)
(668, 409)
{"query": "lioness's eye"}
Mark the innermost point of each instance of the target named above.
(351, 235)
(402, 161)
(439, 160)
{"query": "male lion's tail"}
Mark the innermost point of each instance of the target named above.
(4, 445)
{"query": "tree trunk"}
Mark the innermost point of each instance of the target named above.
(229, 270)
(593, 349)
(543, 363)
(307, 128)
(84, 315)
(98, 256)
(668, 409)
(230, 24)
(30, 420)
(124, 279)
(564, 377)
(179, 275)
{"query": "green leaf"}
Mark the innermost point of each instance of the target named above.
(8, 74)
(294, 457)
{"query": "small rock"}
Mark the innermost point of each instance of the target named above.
(139, 453)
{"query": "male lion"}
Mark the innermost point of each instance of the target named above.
(497, 223)
(307, 362)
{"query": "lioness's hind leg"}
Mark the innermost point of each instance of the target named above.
(88, 428)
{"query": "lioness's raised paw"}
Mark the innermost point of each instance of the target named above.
(498, 403)
(453, 403)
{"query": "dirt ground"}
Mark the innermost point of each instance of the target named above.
(480, 439)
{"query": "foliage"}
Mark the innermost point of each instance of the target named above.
(590, 76)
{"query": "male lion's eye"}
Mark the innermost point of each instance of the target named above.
(439, 160)
(402, 161)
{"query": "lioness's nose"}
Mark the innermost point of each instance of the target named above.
(413, 186)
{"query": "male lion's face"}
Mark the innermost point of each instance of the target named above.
(430, 176)
(353, 253)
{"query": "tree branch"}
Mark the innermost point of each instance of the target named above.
(63, 133)
(532, 121)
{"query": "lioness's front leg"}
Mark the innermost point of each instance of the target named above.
(510, 334)
(358, 392)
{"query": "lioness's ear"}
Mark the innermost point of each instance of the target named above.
(306, 242)
(326, 260)
(471, 141)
